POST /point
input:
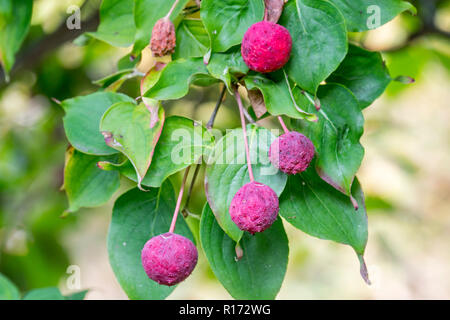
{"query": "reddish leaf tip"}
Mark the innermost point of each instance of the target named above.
(317, 104)
(363, 270)
(239, 252)
(354, 203)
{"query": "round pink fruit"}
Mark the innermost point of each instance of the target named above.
(169, 258)
(254, 207)
(291, 152)
(266, 46)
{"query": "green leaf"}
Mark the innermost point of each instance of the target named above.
(129, 61)
(8, 290)
(204, 80)
(183, 141)
(77, 295)
(319, 41)
(227, 20)
(336, 136)
(138, 216)
(134, 131)
(364, 73)
(112, 78)
(227, 172)
(260, 272)
(410, 61)
(360, 15)
(152, 77)
(53, 293)
(278, 96)
(192, 40)
(224, 66)
(193, 221)
(146, 13)
(15, 18)
(82, 121)
(44, 294)
(114, 81)
(173, 83)
(313, 206)
(117, 25)
(87, 185)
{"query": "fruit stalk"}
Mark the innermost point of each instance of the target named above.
(180, 197)
(171, 9)
(283, 125)
(244, 132)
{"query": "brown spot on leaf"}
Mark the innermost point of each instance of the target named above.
(110, 140)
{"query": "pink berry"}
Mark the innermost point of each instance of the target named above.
(266, 46)
(254, 207)
(291, 152)
(169, 258)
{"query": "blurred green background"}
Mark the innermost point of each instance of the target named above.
(405, 173)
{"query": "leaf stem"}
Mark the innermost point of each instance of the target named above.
(180, 197)
(283, 125)
(244, 131)
(307, 115)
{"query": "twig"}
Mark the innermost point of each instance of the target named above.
(210, 123)
(33, 54)
(191, 187)
(209, 127)
(191, 11)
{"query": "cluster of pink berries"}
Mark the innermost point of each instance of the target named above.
(266, 47)
(170, 258)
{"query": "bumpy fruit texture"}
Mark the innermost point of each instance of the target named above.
(163, 38)
(266, 46)
(254, 207)
(291, 152)
(169, 258)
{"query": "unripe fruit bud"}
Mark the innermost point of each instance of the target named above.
(266, 46)
(163, 38)
(169, 258)
(254, 207)
(291, 152)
